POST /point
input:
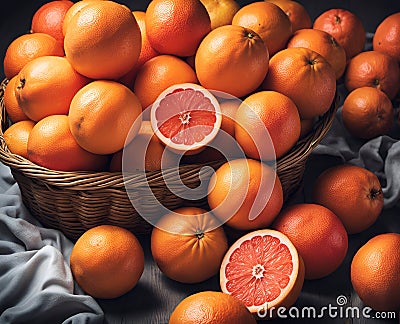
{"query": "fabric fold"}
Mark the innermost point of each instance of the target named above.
(35, 278)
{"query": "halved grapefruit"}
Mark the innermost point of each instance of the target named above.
(186, 117)
(264, 270)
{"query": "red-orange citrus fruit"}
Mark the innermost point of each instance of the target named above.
(304, 76)
(52, 146)
(268, 21)
(209, 307)
(13, 109)
(353, 193)
(322, 43)
(102, 115)
(245, 194)
(186, 117)
(103, 40)
(16, 137)
(46, 86)
(298, 15)
(107, 261)
(188, 244)
(373, 69)
(318, 234)
(375, 272)
(345, 26)
(267, 113)
(367, 113)
(387, 36)
(27, 47)
(159, 73)
(144, 152)
(232, 59)
(49, 19)
(264, 270)
(176, 26)
(221, 12)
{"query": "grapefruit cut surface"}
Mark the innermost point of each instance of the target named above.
(186, 117)
(263, 270)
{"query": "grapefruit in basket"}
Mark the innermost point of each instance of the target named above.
(264, 270)
(49, 19)
(232, 59)
(51, 145)
(245, 194)
(13, 109)
(176, 26)
(186, 117)
(102, 40)
(27, 47)
(102, 114)
(304, 76)
(46, 86)
(16, 137)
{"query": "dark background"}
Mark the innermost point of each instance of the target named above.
(155, 296)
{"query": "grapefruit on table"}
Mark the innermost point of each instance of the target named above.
(188, 244)
(375, 273)
(353, 193)
(373, 69)
(367, 113)
(318, 234)
(107, 261)
(186, 117)
(210, 307)
(264, 270)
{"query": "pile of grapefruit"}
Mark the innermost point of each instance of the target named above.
(94, 81)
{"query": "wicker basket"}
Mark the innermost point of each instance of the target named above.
(76, 201)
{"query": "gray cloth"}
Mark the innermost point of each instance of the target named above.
(36, 284)
(380, 155)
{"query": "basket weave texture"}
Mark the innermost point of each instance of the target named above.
(73, 202)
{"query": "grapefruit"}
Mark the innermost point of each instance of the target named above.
(264, 270)
(186, 117)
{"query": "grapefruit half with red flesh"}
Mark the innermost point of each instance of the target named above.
(186, 117)
(264, 270)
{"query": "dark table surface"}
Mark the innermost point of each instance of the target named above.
(155, 296)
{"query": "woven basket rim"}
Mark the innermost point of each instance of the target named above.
(89, 180)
